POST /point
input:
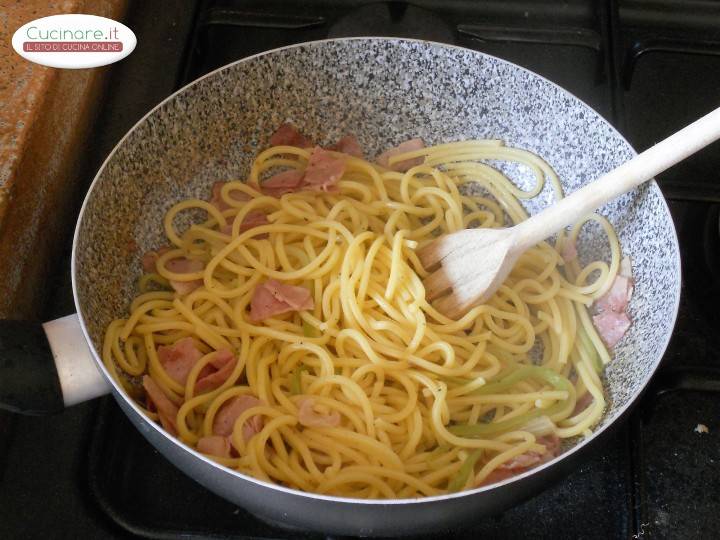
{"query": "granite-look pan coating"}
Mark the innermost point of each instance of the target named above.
(384, 91)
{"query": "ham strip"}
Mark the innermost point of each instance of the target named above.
(611, 326)
(253, 219)
(298, 298)
(274, 298)
(569, 251)
(307, 415)
(583, 403)
(323, 171)
(523, 462)
(166, 409)
(264, 305)
(182, 265)
(611, 319)
(282, 183)
(215, 445)
(551, 444)
(149, 259)
(215, 373)
(348, 145)
(179, 358)
(219, 202)
(498, 475)
(231, 410)
(402, 166)
(617, 297)
(531, 459)
(288, 135)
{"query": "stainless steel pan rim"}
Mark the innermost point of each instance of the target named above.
(120, 395)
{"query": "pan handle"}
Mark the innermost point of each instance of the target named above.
(46, 367)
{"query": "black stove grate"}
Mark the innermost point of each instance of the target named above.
(649, 67)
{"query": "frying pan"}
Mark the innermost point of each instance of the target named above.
(384, 91)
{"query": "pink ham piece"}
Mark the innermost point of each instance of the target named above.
(219, 202)
(253, 219)
(402, 166)
(523, 462)
(215, 445)
(231, 410)
(323, 170)
(149, 259)
(166, 409)
(182, 265)
(611, 319)
(551, 444)
(216, 372)
(531, 459)
(569, 251)
(583, 403)
(617, 297)
(348, 145)
(498, 475)
(274, 298)
(179, 358)
(611, 326)
(322, 173)
(282, 183)
(288, 135)
(307, 416)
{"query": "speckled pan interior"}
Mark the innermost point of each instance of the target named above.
(384, 91)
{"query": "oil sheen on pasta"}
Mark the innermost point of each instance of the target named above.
(427, 405)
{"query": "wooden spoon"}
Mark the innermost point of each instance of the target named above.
(473, 263)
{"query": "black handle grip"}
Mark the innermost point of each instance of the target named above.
(29, 381)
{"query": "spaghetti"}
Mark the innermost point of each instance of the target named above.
(368, 391)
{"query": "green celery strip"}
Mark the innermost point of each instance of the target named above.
(460, 479)
(484, 430)
(295, 386)
(309, 330)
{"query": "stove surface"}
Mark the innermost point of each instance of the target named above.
(650, 67)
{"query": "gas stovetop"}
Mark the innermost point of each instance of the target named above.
(650, 67)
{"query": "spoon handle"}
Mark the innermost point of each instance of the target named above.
(627, 176)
